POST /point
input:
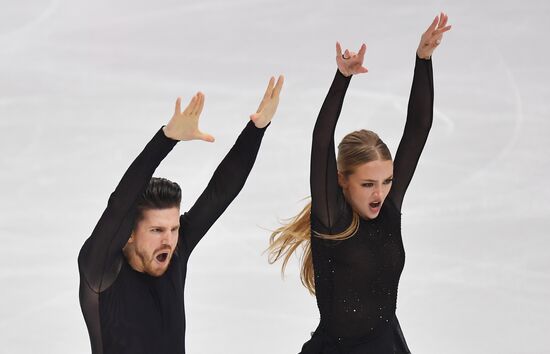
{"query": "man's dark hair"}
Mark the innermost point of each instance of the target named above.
(159, 194)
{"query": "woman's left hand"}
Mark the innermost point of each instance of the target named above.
(433, 36)
(350, 63)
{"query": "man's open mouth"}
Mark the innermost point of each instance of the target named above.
(161, 257)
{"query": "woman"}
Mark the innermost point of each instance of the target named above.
(354, 254)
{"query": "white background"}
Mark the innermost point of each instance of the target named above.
(85, 84)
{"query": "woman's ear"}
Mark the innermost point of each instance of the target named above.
(342, 180)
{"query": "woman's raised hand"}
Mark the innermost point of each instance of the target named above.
(433, 36)
(350, 63)
(269, 103)
(185, 125)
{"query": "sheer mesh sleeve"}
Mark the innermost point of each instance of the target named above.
(327, 199)
(225, 184)
(417, 127)
(100, 256)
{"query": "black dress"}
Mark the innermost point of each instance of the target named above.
(128, 312)
(356, 279)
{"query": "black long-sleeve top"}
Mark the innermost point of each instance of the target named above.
(131, 312)
(356, 279)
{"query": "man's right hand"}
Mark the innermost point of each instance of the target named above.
(185, 125)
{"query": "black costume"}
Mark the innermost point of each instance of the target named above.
(356, 279)
(128, 312)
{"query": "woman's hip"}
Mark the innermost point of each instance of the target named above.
(387, 340)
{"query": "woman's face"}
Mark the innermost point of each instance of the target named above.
(367, 187)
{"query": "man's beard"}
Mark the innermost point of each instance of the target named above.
(149, 261)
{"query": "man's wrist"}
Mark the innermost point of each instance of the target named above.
(167, 133)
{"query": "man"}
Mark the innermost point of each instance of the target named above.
(133, 266)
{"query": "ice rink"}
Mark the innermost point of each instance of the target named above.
(85, 84)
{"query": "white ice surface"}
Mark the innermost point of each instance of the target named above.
(85, 84)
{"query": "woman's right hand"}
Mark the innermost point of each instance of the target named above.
(431, 39)
(350, 63)
(185, 125)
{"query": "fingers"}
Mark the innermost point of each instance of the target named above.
(267, 94)
(437, 39)
(278, 86)
(206, 137)
(350, 62)
(442, 20)
(269, 89)
(442, 30)
(194, 107)
(432, 37)
(199, 104)
(442, 26)
(352, 55)
(433, 25)
(347, 54)
(338, 50)
(191, 106)
(177, 110)
(439, 25)
(362, 51)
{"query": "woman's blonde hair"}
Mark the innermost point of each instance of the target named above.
(356, 148)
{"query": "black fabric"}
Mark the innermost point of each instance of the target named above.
(356, 279)
(388, 339)
(131, 312)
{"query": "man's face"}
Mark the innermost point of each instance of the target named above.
(154, 240)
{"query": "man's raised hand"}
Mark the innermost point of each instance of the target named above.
(269, 103)
(185, 125)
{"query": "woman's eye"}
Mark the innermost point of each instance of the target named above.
(388, 181)
(368, 185)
